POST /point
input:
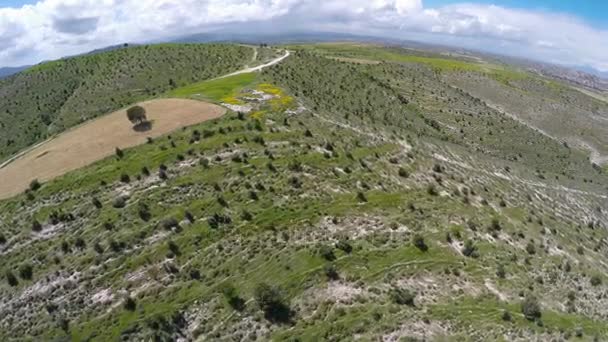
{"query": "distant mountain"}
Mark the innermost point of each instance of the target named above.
(8, 71)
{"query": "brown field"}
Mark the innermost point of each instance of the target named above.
(98, 139)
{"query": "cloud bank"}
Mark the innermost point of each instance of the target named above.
(51, 29)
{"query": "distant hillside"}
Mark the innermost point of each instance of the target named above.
(8, 71)
(50, 97)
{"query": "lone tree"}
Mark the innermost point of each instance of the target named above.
(137, 115)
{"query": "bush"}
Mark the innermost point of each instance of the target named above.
(130, 304)
(35, 185)
(361, 197)
(500, 272)
(402, 296)
(506, 316)
(418, 241)
(331, 272)
(173, 247)
(26, 271)
(97, 203)
(345, 246)
(144, 211)
(11, 279)
(169, 223)
(403, 173)
(218, 219)
(233, 298)
(125, 178)
(271, 301)
(470, 249)
(530, 308)
(530, 248)
(327, 253)
(596, 280)
(432, 190)
(119, 202)
(36, 226)
(188, 215)
(119, 153)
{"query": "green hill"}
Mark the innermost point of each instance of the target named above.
(51, 97)
(364, 193)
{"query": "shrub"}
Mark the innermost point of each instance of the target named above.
(130, 304)
(271, 301)
(530, 308)
(470, 249)
(432, 190)
(145, 171)
(144, 211)
(506, 316)
(119, 202)
(36, 226)
(80, 243)
(402, 296)
(233, 298)
(331, 272)
(247, 216)
(119, 153)
(361, 197)
(500, 272)
(418, 241)
(495, 225)
(530, 248)
(169, 223)
(218, 219)
(173, 247)
(11, 279)
(345, 246)
(2, 239)
(97, 203)
(35, 185)
(327, 253)
(222, 201)
(403, 173)
(188, 215)
(596, 280)
(125, 178)
(26, 271)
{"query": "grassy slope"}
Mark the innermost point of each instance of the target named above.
(51, 97)
(387, 108)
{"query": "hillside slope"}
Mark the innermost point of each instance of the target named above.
(366, 195)
(48, 98)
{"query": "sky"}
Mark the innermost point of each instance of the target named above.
(565, 32)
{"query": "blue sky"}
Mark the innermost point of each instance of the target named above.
(593, 11)
(565, 32)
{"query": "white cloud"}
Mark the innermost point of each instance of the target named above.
(55, 28)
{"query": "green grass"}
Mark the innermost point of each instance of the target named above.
(219, 90)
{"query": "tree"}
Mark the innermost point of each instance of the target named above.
(137, 115)
(271, 301)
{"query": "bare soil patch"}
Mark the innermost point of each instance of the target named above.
(98, 139)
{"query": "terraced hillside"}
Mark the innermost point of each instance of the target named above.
(365, 194)
(48, 98)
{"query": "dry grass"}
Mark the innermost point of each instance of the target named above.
(98, 139)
